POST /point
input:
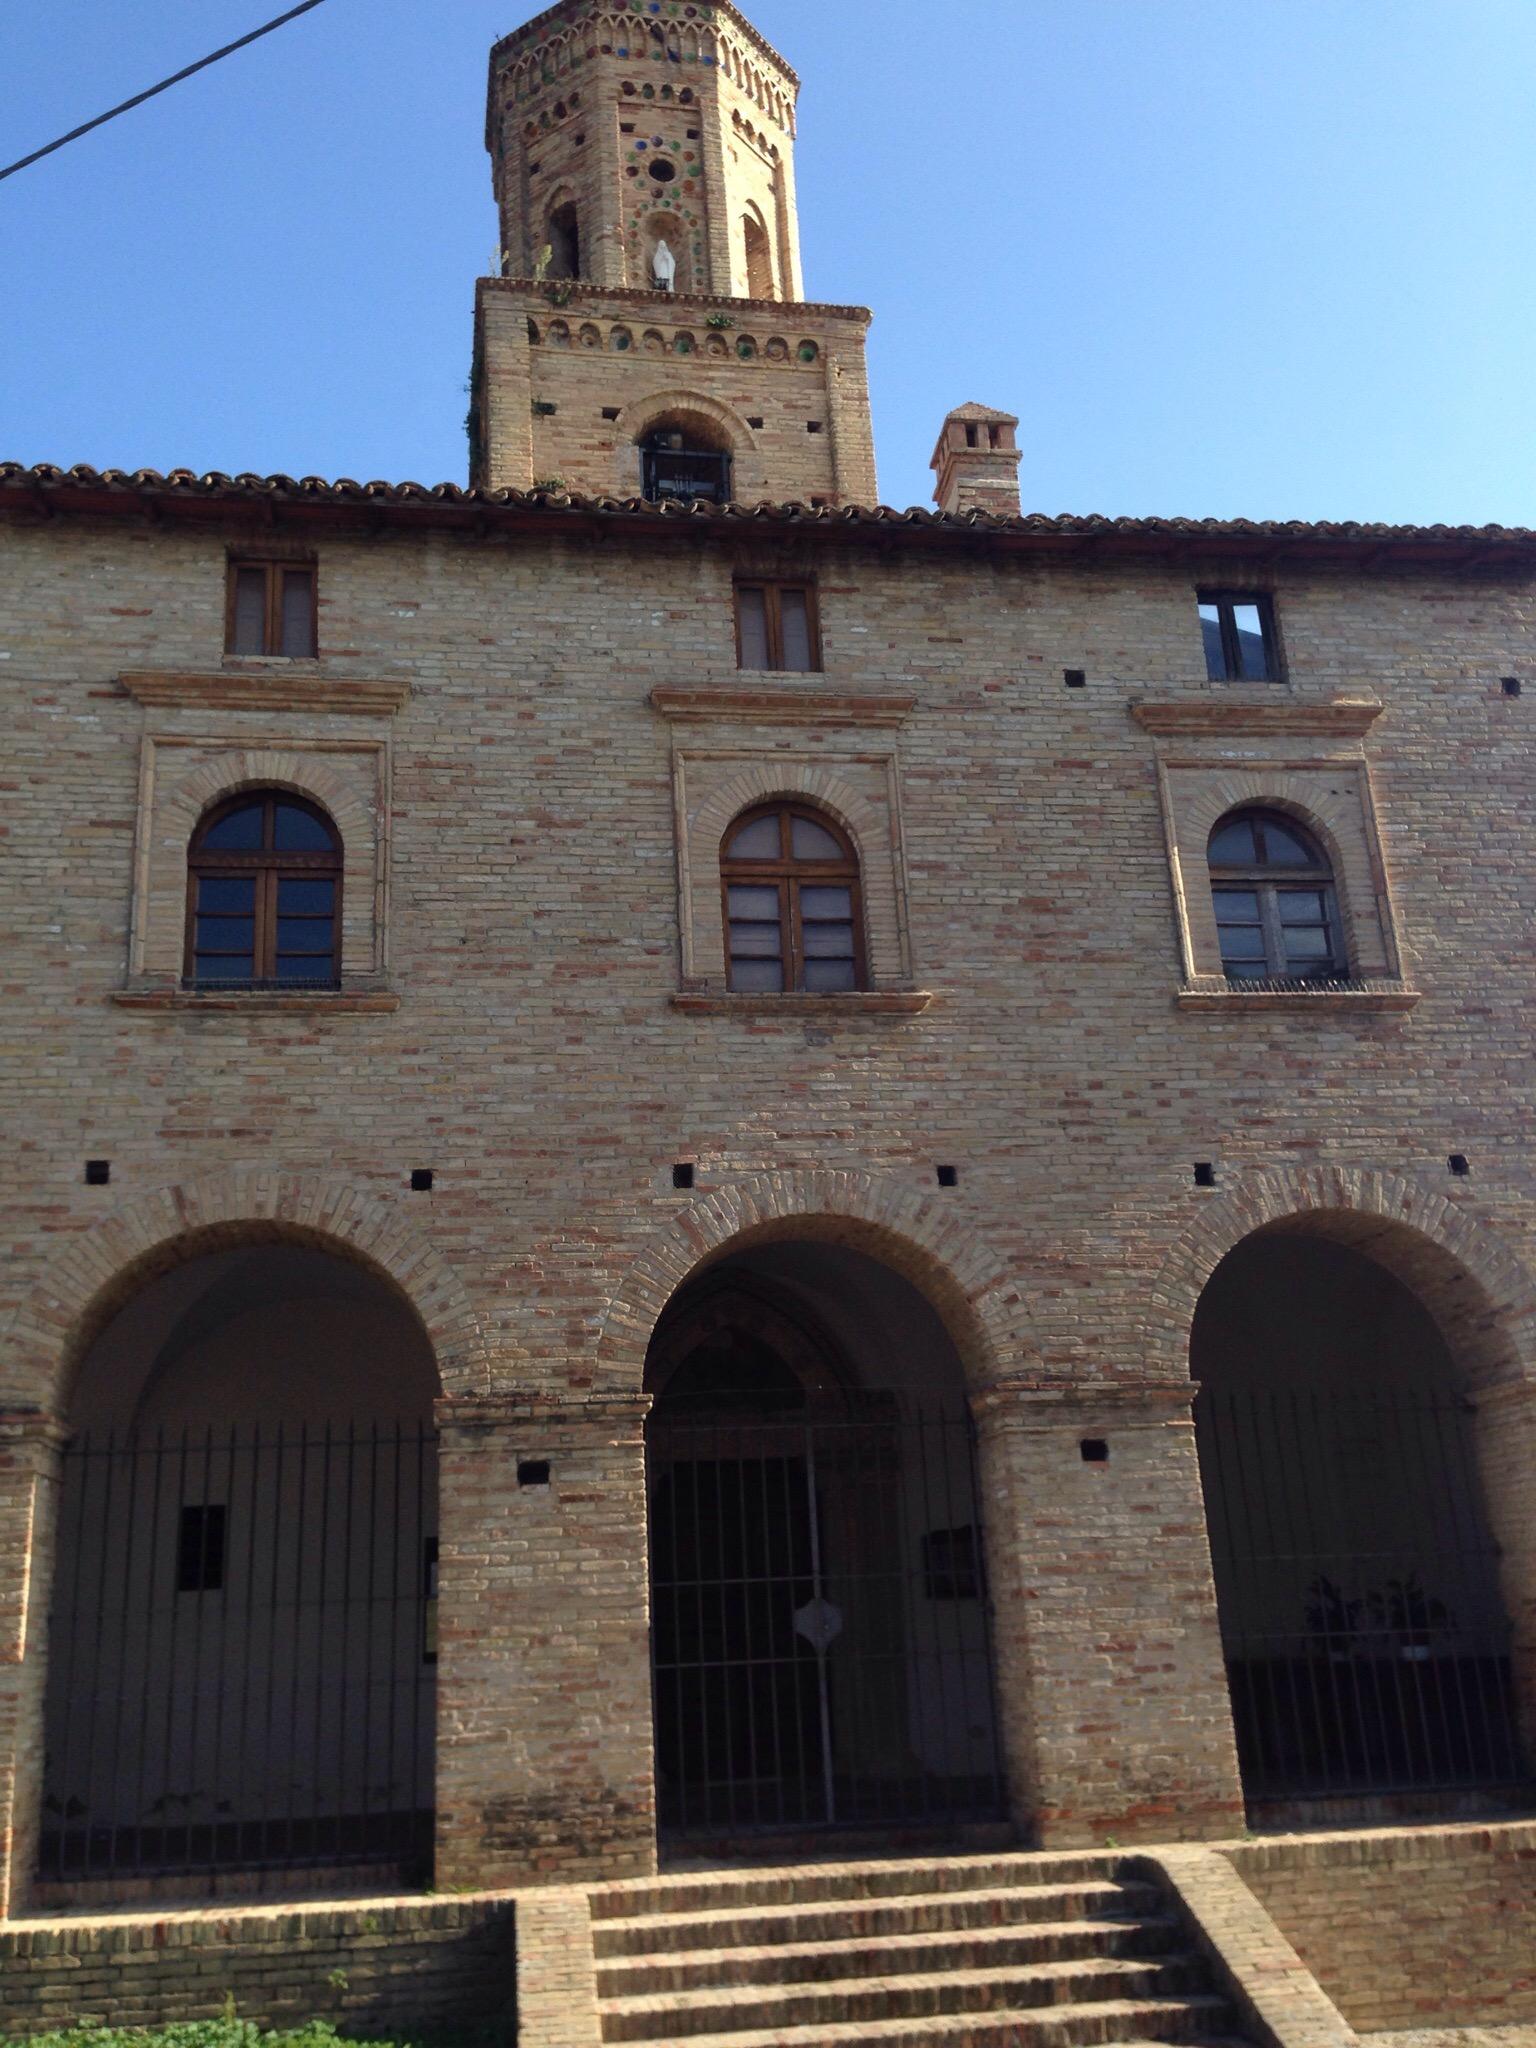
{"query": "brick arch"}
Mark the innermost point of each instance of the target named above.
(759, 782)
(961, 1277)
(643, 413)
(265, 768)
(93, 1274)
(1258, 792)
(1479, 1291)
(1322, 817)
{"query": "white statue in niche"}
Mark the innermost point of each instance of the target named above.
(664, 267)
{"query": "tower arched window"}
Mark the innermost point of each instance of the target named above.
(1277, 911)
(759, 248)
(790, 889)
(679, 460)
(264, 894)
(564, 238)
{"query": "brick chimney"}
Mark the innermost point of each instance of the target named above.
(977, 461)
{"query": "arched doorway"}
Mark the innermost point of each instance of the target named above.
(1366, 1639)
(242, 1632)
(821, 1644)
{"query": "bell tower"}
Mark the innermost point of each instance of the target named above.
(647, 333)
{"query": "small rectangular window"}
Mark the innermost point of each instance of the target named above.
(200, 1550)
(429, 1600)
(1238, 631)
(952, 1567)
(271, 609)
(777, 627)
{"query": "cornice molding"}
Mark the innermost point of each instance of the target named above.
(1218, 717)
(839, 1003)
(778, 707)
(240, 689)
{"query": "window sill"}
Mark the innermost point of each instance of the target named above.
(1359, 997)
(868, 1002)
(348, 1002)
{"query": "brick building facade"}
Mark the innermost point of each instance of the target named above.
(635, 1088)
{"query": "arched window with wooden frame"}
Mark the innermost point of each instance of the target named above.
(793, 913)
(1277, 910)
(264, 894)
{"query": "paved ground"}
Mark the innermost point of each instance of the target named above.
(1457, 2037)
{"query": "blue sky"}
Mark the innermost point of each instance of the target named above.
(1229, 257)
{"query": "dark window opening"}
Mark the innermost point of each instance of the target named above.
(271, 609)
(421, 1180)
(1277, 915)
(777, 627)
(429, 1600)
(1095, 1451)
(671, 471)
(533, 1472)
(949, 1176)
(564, 242)
(98, 1173)
(662, 170)
(200, 1550)
(264, 895)
(1239, 635)
(793, 919)
(952, 1568)
(682, 1176)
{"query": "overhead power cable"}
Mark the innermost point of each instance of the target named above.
(164, 86)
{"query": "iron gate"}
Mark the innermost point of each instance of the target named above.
(821, 1641)
(1367, 1645)
(243, 1638)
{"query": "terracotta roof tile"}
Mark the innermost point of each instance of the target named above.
(45, 487)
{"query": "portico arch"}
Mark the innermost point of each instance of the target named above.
(979, 1303)
(91, 1275)
(1361, 1349)
(1480, 1292)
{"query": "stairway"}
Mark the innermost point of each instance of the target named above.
(964, 1952)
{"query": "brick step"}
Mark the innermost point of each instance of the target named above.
(1197, 2022)
(916, 1913)
(804, 1883)
(885, 1956)
(843, 2001)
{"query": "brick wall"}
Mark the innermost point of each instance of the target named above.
(1411, 1928)
(538, 1062)
(439, 1962)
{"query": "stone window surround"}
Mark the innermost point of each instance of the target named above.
(714, 780)
(180, 776)
(1219, 762)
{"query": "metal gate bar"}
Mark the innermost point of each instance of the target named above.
(821, 1642)
(1367, 1645)
(243, 1642)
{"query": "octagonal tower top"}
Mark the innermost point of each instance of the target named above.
(645, 141)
